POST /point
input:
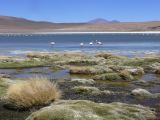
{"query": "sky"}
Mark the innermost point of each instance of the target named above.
(82, 10)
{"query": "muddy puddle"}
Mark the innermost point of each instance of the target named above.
(37, 71)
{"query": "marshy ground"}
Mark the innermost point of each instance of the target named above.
(101, 78)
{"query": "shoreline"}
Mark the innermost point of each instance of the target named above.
(45, 33)
(132, 53)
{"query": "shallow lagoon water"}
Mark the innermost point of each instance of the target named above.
(37, 71)
(124, 44)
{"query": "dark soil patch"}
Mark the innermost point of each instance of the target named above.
(122, 94)
(6, 114)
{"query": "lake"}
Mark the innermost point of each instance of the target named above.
(123, 44)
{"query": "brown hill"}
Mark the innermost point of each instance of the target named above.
(13, 24)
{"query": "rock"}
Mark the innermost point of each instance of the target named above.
(86, 90)
(83, 81)
(141, 93)
(87, 110)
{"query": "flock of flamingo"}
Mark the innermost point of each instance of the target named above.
(82, 44)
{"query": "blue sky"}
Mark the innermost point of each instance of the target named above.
(82, 10)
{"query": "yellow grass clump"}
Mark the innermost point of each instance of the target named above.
(34, 92)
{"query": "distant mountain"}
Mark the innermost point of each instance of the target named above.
(102, 21)
(9, 20)
(21, 25)
(15, 24)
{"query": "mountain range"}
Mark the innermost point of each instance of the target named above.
(9, 24)
(102, 21)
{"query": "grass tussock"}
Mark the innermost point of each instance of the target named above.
(37, 91)
(88, 70)
(122, 76)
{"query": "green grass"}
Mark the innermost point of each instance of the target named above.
(123, 76)
(141, 62)
(2, 90)
(87, 110)
(21, 64)
(108, 76)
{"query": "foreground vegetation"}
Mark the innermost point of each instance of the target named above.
(87, 110)
(34, 92)
(108, 77)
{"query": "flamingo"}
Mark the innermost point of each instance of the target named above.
(99, 43)
(91, 43)
(52, 43)
(81, 44)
